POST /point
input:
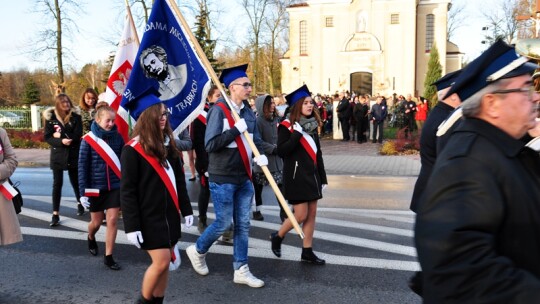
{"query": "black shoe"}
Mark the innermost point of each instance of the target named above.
(309, 256)
(55, 220)
(192, 179)
(92, 246)
(415, 283)
(276, 243)
(258, 216)
(80, 209)
(201, 225)
(109, 262)
(142, 300)
(374, 141)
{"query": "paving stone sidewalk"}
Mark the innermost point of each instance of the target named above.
(343, 158)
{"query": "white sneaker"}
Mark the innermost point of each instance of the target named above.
(244, 276)
(198, 261)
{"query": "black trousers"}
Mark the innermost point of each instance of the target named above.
(345, 128)
(204, 196)
(258, 195)
(378, 126)
(58, 181)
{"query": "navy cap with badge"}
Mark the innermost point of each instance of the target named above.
(295, 95)
(447, 80)
(147, 98)
(229, 75)
(499, 61)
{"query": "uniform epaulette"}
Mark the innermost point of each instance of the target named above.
(534, 144)
(449, 122)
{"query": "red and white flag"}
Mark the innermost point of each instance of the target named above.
(7, 190)
(121, 70)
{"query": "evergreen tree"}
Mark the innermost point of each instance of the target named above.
(202, 34)
(434, 72)
(31, 92)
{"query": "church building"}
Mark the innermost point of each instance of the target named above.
(366, 46)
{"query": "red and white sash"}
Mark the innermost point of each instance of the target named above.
(241, 141)
(7, 190)
(307, 141)
(202, 117)
(104, 151)
(166, 175)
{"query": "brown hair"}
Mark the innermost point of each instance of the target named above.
(296, 112)
(83, 104)
(102, 107)
(64, 117)
(266, 108)
(152, 138)
(213, 88)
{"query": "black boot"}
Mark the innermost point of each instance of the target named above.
(55, 221)
(415, 283)
(142, 300)
(80, 209)
(309, 256)
(109, 262)
(201, 225)
(276, 243)
(257, 215)
(92, 246)
(158, 300)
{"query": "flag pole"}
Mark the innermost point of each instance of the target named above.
(132, 23)
(216, 81)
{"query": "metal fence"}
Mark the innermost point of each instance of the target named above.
(24, 117)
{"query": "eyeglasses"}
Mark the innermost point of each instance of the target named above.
(529, 90)
(246, 85)
(164, 115)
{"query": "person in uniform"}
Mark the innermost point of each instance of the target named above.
(478, 222)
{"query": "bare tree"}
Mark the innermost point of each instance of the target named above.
(501, 21)
(50, 39)
(456, 19)
(276, 22)
(256, 11)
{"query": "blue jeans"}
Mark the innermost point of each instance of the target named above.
(231, 202)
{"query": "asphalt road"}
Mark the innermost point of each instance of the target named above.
(364, 231)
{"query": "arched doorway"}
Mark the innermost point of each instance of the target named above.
(361, 83)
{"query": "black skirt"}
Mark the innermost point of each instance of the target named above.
(105, 200)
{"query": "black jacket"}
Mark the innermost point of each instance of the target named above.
(146, 203)
(63, 157)
(302, 179)
(478, 225)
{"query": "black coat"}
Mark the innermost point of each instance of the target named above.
(478, 225)
(302, 179)
(63, 157)
(146, 203)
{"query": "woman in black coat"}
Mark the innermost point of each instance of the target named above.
(151, 210)
(304, 176)
(63, 131)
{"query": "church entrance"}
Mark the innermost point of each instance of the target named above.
(361, 83)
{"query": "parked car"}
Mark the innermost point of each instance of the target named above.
(9, 119)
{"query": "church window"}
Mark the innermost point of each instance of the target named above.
(329, 21)
(394, 19)
(430, 31)
(303, 37)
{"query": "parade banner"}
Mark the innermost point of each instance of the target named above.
(121, 71)
(166, 59)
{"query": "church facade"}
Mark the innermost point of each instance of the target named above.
(366, 46)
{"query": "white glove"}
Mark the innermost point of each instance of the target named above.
(297, 127)
(175, 258)
(206, 174)
(189, 221)
(324, 187)
(135, 238)
(84, 201)
(261, 160)
(241, 125)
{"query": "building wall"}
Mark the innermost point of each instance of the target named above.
(363, 42)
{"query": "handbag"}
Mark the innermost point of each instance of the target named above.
(17, 199)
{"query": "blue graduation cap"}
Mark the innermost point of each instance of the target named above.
(447, 80)
(147, 98)
(500, 61)
(229, 75)
(294, 96)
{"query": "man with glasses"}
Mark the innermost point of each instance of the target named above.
(229, 168)
(477, 229)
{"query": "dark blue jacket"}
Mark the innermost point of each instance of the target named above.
(94, 173)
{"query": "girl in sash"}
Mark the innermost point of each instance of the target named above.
(153, 192)
(304, 177)
(99, 181)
